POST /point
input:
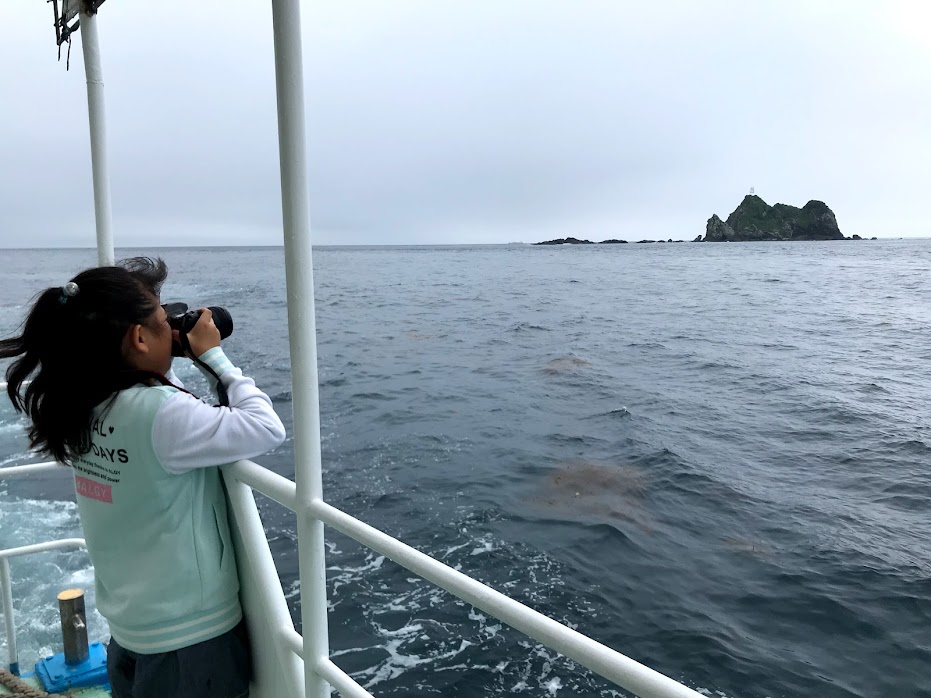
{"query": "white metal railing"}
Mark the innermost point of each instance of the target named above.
(603, 660)
(6, 586)
(304, 496)
(244, 476)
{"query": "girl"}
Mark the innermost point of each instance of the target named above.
(104, 401)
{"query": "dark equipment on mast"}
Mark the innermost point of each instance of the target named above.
(68, 11)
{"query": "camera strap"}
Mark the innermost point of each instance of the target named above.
(221, 389)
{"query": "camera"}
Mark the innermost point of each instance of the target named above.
(183, 320)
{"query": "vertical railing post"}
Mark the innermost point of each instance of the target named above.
(96, 119)
(6, 589)
(295, 206)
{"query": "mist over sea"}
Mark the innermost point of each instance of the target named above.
(713, 458)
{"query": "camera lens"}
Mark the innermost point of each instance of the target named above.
(223, 320)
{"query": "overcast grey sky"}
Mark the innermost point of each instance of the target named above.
(473, 121)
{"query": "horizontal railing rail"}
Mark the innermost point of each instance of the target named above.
(604, 661)
(43, 547)
(31, 469)
(3, 384)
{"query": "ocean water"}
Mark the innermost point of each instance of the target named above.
(712, 458)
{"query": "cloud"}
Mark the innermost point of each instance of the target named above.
(477, 121)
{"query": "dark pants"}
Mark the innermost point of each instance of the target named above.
(217, 668)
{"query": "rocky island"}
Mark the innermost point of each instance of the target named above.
(754, 219)
(565, 241)
(576, 241)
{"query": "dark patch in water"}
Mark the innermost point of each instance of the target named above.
(527, 326)
(565, 364)
(595, 494)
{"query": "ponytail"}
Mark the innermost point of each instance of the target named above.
(71, 345)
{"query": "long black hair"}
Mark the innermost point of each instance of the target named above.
(74, 346)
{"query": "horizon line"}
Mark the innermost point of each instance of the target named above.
(398, 244)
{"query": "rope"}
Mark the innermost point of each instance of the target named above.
(21, 689)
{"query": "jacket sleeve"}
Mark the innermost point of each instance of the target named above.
(189, 434)
(173, 378)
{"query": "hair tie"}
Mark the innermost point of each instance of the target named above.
(69, 290)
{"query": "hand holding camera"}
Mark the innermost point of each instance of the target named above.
(204, 335)
(197, 331)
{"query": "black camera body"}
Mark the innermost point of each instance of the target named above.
(183, 320)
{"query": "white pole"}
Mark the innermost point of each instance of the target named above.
(295, 205)
(6, 587)
(265, 587)
(97, 120)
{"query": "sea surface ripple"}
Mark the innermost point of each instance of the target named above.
(712, 458)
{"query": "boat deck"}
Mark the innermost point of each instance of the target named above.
(75, 692)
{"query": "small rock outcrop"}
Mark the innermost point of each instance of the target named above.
(754, 219)
(565, 241)
(717, 230)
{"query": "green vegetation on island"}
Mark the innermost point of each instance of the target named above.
(754, 219)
